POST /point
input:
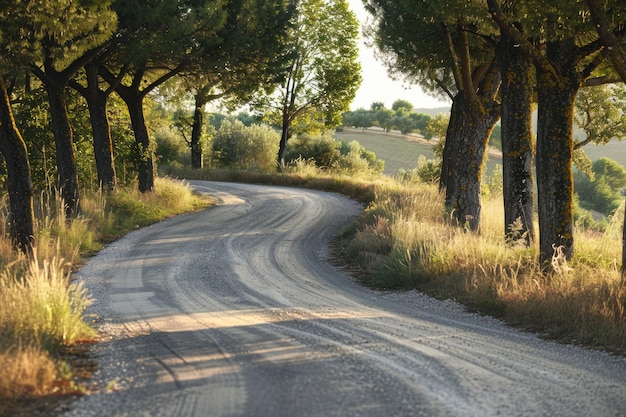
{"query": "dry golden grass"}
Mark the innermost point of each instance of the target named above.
(41, 308)
(405, 241)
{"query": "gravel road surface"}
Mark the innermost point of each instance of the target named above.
(235, 311)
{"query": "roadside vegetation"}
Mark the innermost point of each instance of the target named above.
(42, 310)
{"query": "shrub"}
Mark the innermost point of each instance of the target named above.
(236, 146)
(170, 149)
(322, 150)
(340, 157)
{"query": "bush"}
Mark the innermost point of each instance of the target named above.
(171, 149)
(323, 150)
(603, 192)
(236, 146)
(329, 154)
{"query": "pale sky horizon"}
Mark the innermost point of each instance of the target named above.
(377, 85)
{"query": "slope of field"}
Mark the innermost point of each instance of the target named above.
(396, 150)
(402, 152)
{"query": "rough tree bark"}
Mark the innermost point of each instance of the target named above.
(145, 164)
(557, 86)
(472, 128)
(19, 183)
(197, 128)
(97, 101)
(517, 141)
(55, 83)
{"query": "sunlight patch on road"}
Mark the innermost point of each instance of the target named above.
(254, 317)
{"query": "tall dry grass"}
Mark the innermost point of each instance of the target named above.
(41, 308)
(404, 240)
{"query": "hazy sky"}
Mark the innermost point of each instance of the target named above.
(377, 85)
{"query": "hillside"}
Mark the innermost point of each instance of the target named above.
(396, 150)
(402, 152)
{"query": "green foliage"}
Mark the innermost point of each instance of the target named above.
(359, 118)
(336, 156)
(492, 184)
(601, 112)
(604, 192)
(402, 104)
(32, 116)
(427, 171)
(240, 147)
(324, 73)
(355, 158)
(171, 148)
(401, 117)
(323, 150)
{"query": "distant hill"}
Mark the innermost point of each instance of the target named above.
(434, 111)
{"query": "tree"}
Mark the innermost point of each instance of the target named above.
(566, 60)
(447, 49)
(33, 32)
(19, 184)
(249, 57)
(83, 27)
(359, 118)
(97, 98)
(602, 192)
(12, 144)
(601, 112)
(402, 104)
(155, 42)
(517, 96)
(323, 72)
(617, 53)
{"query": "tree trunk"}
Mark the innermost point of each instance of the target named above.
(197, 130)
(63, 138)
(464, 151)
(284, 138)
(97, 101)
(449, 150)
(517, 141)
(19, 183)
(145, 164)
(557, 87)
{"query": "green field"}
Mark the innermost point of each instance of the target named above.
(398, 152)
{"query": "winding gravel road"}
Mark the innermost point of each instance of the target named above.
(235, 311)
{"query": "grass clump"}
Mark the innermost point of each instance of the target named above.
(41, 313)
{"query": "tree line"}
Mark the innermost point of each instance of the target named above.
(400, 117)
(498, 60)
(296, 58)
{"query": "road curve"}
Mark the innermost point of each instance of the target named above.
(235, 311)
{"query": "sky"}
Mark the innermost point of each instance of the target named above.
(377, 85)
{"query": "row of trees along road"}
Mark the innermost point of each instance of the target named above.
(498, 58)
(231, 49)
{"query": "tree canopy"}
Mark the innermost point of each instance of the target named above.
(323, 72)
